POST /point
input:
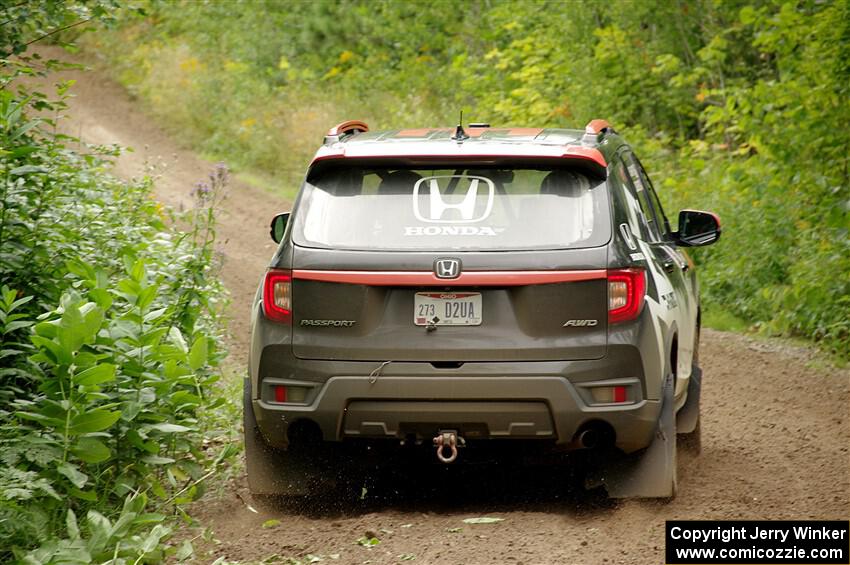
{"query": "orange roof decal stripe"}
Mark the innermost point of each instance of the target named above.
(530, 132)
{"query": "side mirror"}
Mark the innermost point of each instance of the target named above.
(697, 228)
(278, 226)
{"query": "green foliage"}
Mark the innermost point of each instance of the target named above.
(110, 325)
(26, 22)
(739, 107)
(134, 536)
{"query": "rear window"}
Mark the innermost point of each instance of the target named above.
(438, 209)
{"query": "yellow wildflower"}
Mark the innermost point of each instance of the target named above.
(332, 73)
(190, 65)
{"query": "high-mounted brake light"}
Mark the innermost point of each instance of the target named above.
(626, 291)
(277, 296)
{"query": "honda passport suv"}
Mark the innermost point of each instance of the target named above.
(441, 291)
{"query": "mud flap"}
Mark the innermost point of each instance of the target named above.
(688, 416)
(271, 472)
(652, 472)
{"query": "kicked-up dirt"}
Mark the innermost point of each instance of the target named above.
(776, 429)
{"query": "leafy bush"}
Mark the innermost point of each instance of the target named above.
(740, 108)
(110, 324)
(24, 23)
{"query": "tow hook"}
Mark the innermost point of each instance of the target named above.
(447, 442)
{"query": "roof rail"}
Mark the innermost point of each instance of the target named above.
(595, 129)
(348, 127)
(597, 126)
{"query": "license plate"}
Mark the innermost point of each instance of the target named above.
(447, 309)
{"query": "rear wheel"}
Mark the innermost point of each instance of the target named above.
(271, 472)
(692, 442)
(650, 473)
(688, 419)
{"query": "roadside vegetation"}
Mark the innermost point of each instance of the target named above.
(738, 107)
(111, 332)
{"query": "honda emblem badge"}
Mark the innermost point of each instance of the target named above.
(447, 268)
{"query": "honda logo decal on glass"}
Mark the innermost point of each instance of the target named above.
(455, 202)
(447, 268)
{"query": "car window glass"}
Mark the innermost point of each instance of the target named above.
(639, 225)
(664, 224)
(471, 207)
(643, 196)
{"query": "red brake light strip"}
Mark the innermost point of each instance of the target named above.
(466, 278)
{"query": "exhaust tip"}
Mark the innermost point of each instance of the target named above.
(304, 435)
(595, 435)
(589, 438)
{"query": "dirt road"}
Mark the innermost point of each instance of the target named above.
(776, 430)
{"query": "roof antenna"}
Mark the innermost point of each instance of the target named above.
(460, 135)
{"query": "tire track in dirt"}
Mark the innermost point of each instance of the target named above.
(776, 430)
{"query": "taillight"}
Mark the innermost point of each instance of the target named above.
(608, 394)
(626, 290)
(277, 296)
(290, 394)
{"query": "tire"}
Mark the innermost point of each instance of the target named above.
(271, 472)
(689, 417)
(666, 422)
(652, 472)
(691, 443)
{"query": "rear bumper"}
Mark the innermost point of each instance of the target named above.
(480, 406)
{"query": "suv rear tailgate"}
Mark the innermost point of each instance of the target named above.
(369, 315)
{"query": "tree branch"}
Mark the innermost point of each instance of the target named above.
(55, 31)
(18, 5)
